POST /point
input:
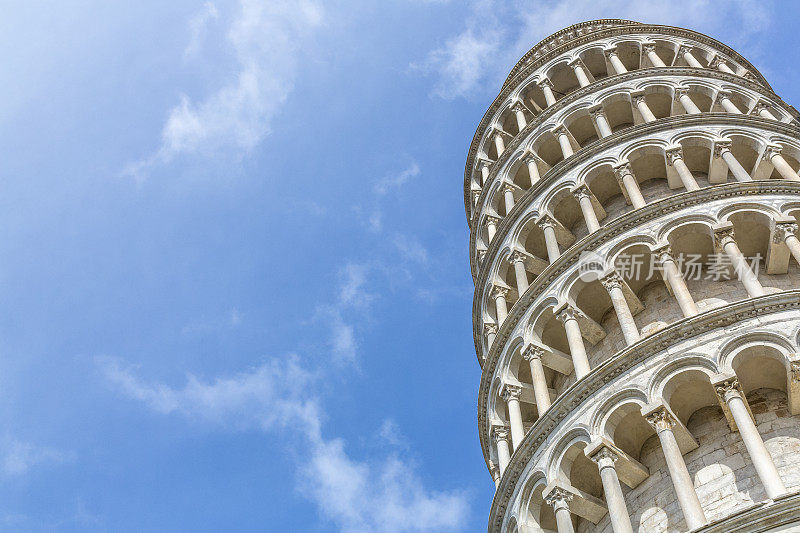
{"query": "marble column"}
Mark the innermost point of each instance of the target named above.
(629, 183)
(517, 259)
(510, 395)
(495, 472)
(675, 160)
(673, 278)
(616, 63)
(547, 88)
(638, 99)
(600, 119)
(491, 226)
(613, 284)
(584, 197)
(533, 168)
(720, 64)
(562, 135)
(612, 490)
(649, 49)
(662, 422)
(773, 155)
(580, 73)
(508, 197)
(732, 395)
(725, 240)
(686, 52)
(490, 330)
(723, 149)
(762, 109)
(500, 294)
(569, 316)
(501, 435)
(682, 95)
(519, 114)
(485, 167)
(724, 99)
(533, 354)
(551, 241)
(499, 142)
(787, 232)
(559, 500)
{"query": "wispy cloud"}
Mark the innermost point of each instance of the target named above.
(197, 28)
(380, 494)
(266, 40)
(476, 60)
(395, 181)
(17, 458)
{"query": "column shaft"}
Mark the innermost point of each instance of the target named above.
(515, 419)
(521, 275)
(793, 243)
(576, 347)
(681, 480)
(583, 79)
(503, 454)
(508, 198)
(499, 144)
(654, 59)
(688, 104)
(729, 106)
(551, 242)
(620, 521)
(588, 213)
(742, 269)
(690, 59)
(783, 168)
(563, 142)
(602, 124)
(685, 174)
(540, 389)
(533, 170)
(735, 167)
(644, 110)
(758, 452)
(624, 315)
(676, 282)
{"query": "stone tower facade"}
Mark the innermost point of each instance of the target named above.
(632, 197)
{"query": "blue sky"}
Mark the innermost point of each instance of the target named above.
(234, 276)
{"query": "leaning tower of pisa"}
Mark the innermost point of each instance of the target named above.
(632, 196)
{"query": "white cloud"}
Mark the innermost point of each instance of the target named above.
(388, 183)
(383, 494)
(197, 28)
(268, 396)
(266, 39)
(410, 249)
(17, 458)
(496, 34)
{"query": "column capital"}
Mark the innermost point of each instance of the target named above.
(492, 220)
(728, 388)
(794, 368)
(558, 497)
(516, 257)
(568, 312)
(500, 433)
(494, 470)
(507, 187)
(484, 163)
(481, 255)
(750, 76)
(596, 110)
(516, 105)
(528, 157)
(661, 419)
(681, 91)
(761, 105)
(772, 150)
(716, 61)
(723, 94)
(489, 328)
(783, 230)
(637, 96)
(476, 194)
(605, 456)
(721, 146)
(581, 191)
(611, 281)
(723, 235)
(546, 221)
(560, 129)
(532, 351)
(510, 392)
(622, 169)
(685, 49)
(648, 47)
(544, 82)
(673, 153)
(610, 51)
(664, 253)
(575, 61)
(498, 292)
